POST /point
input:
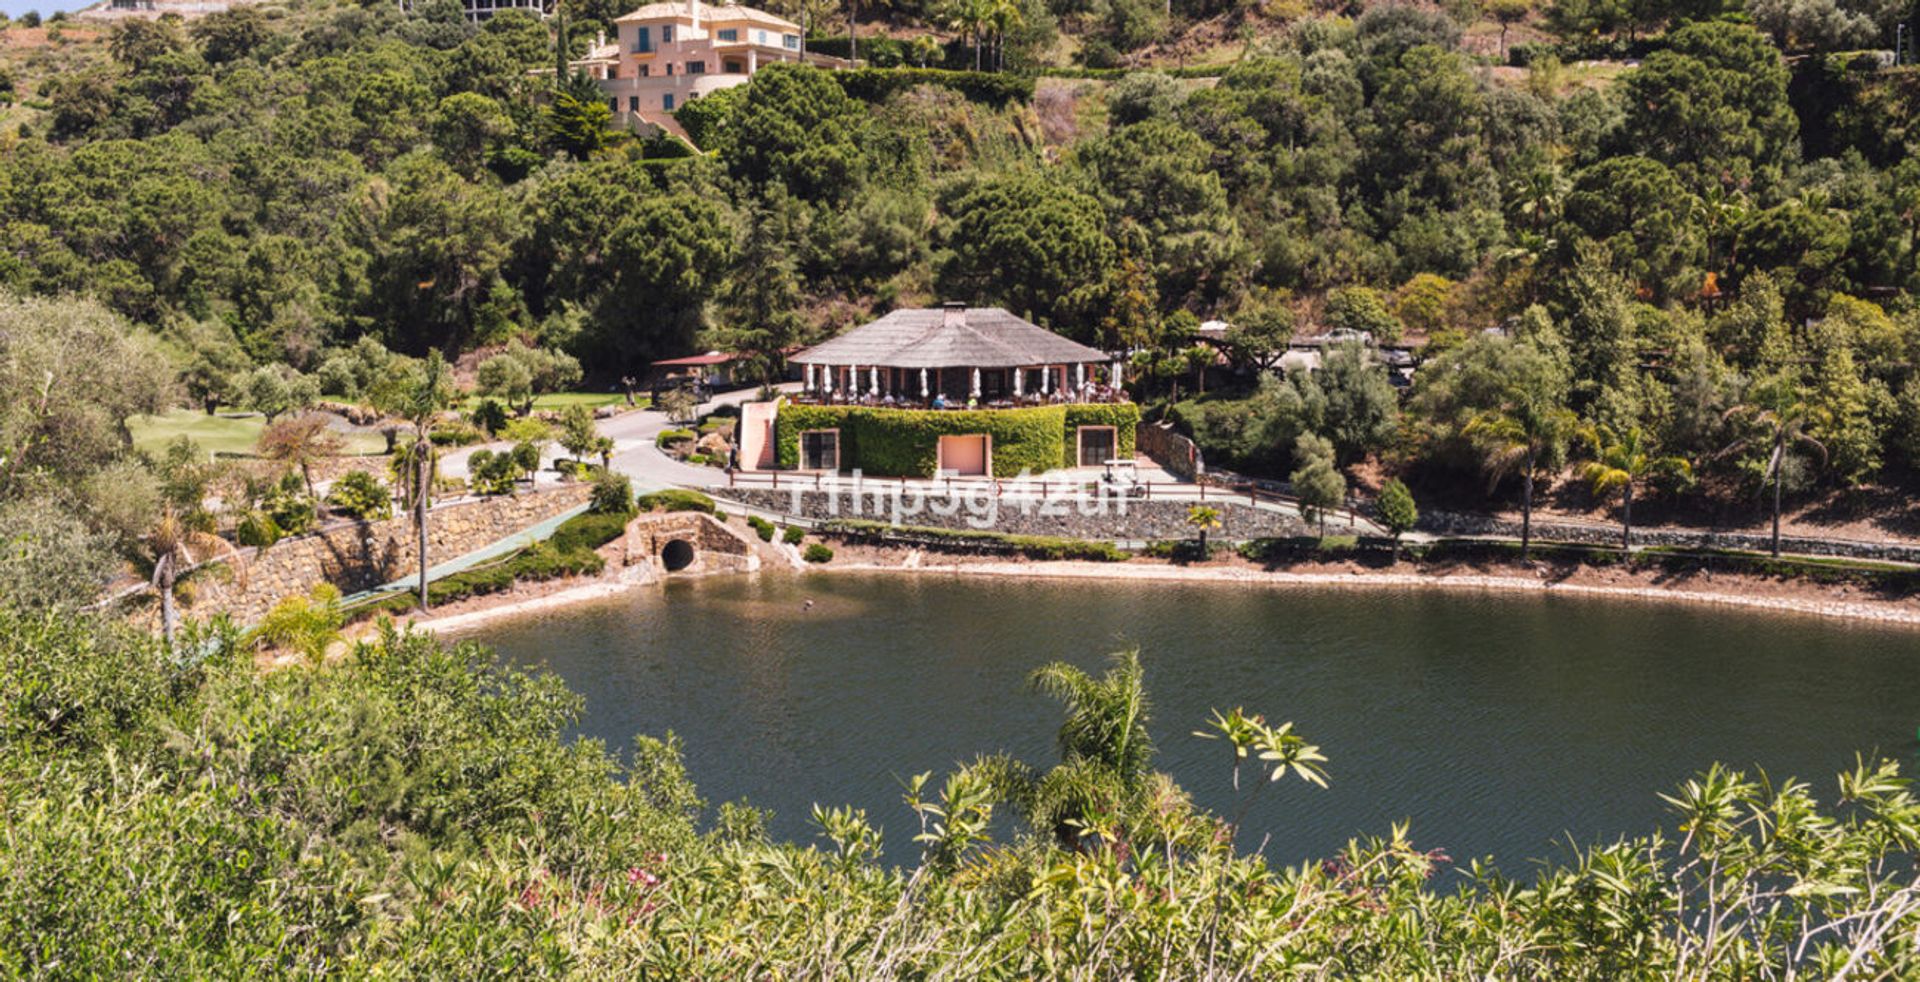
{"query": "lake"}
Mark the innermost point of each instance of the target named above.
(1495, 724)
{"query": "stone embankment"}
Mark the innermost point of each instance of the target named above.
(1455, 524)
(356, 556)
(1073, 516)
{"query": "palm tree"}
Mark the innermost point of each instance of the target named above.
(1621, 461)
(1203, 518)
(177, 549)
(1778, 409)
(1532, 427)
(967, 18)
(417, 394)
(1106, 756)
(1002, 16)
(300, 442)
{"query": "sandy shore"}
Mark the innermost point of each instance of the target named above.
(1807, 599)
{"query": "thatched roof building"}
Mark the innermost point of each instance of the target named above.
(961, 353)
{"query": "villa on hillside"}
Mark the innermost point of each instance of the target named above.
(953, 389)
(665, 55)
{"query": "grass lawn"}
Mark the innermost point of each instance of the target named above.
(561, 400)
(225, 432)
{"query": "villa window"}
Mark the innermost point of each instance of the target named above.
(760, 37)
(792, 41)
(696, 68)
(666, 34)
(729, 34)
(633, 103)
(666, 102)
(646, 70)
(643, 41)
(820, 450)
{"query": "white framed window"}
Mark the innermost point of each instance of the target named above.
(791, 41)
(729, 34)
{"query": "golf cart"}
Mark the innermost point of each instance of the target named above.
(1122, 477)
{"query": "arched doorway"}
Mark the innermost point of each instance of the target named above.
(676, 555)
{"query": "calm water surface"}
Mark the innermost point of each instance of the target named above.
(1496, 725)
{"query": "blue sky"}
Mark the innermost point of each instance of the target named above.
(15, 8)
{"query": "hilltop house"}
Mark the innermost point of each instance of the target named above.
(668, 54)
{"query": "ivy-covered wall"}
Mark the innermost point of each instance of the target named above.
(906, 442)
(1124, 417)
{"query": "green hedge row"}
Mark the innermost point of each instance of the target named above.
(906, 442)
(675, 500)
(976, 540)
(1189, 71)
(991, 88)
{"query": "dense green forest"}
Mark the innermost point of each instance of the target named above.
(1681, 253)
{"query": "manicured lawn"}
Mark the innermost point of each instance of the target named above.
(225, 432)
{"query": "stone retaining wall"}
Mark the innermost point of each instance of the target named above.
(1452, 523)
(1164, 445)
(716, 548)
(1078, 516)
(356, 556)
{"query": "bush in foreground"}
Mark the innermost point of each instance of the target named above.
(817, 553)
(418, 810)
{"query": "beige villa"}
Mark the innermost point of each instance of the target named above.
(665, 55)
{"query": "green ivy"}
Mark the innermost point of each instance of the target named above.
(906, 442)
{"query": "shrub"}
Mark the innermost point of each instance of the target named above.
(978, 540)
(817, 553)
(612, 495)
(897, 442)
(359, 494)
(668, 438)
(257, 529)
(292, 511)
(492, 473)
(489, 415)
(761, 527)
(455, 435)
(793, 535)
(675, 500)
(589, 531)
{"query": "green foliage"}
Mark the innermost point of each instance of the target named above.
(257, 529)
(1397, 510)
(761, 527)
(49, 558)
(589, 531)
(612, 494)
(892, 442)
(669, 437)
(1044, 547)
(817, 553)
(358, 494)
(306, 625)
(793, 535)
(1316, 482)
(992, 88)
(492, 473)
(675, 499)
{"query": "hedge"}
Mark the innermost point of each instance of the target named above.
(977, 540)
(666, 438)
(906, 442)
(568, 552)
(991, 88)
(675, 500)
(1108, 74)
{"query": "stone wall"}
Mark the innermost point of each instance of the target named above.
(1453, 523)
(1076, 516)
(357, 556)
(1164, 445)
(716, 548)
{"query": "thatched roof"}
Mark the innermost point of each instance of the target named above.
(950, 337)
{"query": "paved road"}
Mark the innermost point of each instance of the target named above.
(634, 454)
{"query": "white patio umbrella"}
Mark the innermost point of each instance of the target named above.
(1019, 380)
(976, 383)
(874, 374)
(923, 383)
(810, 379)
(1079, 376)
(1116, 374)
(1046, 381)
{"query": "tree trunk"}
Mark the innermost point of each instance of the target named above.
(1779, 478)
(163, 577)
(1526, 511)
(421, 492)
(853, 52)
(1396, 548)
(1626, 521)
